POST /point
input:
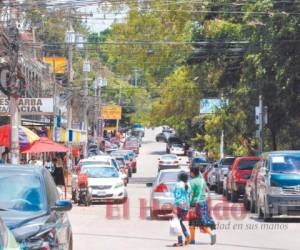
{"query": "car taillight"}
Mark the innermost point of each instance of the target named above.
(161, 162)
(176, 162)
(161, 188)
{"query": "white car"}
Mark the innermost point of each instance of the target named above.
(177, 149)
(105, 183)
(93, 161)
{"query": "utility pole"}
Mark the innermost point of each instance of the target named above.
(120, 103)
(261, 124)
(14, 111)
(70, 40)
(84, 116)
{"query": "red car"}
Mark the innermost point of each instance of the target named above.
(239, 173)
(132, 145)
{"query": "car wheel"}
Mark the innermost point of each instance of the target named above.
(228, 196)
(234, 196)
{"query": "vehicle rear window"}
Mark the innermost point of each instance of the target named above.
(168, 177)
(247, 164)
(227, 161)
(169, 157)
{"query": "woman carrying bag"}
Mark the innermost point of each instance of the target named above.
(199, 214)
(181, 194)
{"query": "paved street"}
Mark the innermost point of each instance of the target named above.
(93, 230)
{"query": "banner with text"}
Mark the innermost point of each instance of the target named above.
(29, 106)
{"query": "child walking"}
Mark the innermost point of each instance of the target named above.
(201, 216)
(181, 194)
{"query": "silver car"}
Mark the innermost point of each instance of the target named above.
(161, 198)
(168, 161)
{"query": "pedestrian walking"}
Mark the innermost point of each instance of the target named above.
(199, 215)
(182, 192)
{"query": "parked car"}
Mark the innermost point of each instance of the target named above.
(162, 137)
(210, 176)
(92, 161)
(119, 156)
(132, 143)
(225, 186)
(125, 155)
(161, 197)
(32, 209)
(251, 189)
(105, 183)
(239, 173)
(7, 239)
(222, 171)
(168, 161)
(278, 185)
(201, 162)
(177, 149)
(173, 139)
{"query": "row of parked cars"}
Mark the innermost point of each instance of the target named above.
(268, 185)
(106, 174)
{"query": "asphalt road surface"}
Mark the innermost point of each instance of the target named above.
(114, 228)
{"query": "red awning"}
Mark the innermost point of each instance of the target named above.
(45, 145)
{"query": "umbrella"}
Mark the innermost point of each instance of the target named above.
(44, 145)
(26, 136)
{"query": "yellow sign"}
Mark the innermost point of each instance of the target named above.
(59, 64)
(111, 112)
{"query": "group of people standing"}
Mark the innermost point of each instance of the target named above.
(56, 167)
(190, 201)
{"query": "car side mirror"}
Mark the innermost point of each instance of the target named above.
(62, 206)
(149, 184)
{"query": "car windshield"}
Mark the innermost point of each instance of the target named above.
(177, 145)
(169, 157)
(247, 164)
(100, 172)
(21, 192)
(89, 163)
(227, 161)
(287, 163)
